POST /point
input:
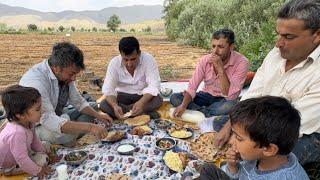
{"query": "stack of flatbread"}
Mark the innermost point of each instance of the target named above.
(87, 140)
(114, 136)
(204, 148)
(116, 176)
(141, 130)
(138, 120)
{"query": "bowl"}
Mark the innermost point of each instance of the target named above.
(126, 149)
(166, 143)
(162, 123)
(189, 130)
(166, 92)
(75, 158)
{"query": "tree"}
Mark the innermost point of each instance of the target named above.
(61, 28)
(94, 29)
(113, 23)
(32, 27)
(3, 26)
(132, 30)
(147, 30)
(50, 28)
(73, 29)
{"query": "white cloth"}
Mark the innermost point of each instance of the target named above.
(300, 85)
(146, 77)
(41, 77)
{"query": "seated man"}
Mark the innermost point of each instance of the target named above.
(132, 82)
(264, 132)
(55, 80)
(292, 70)
(223, 72)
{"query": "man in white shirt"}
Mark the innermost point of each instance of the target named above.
(55, 80)
(132, 82)
(292, 70)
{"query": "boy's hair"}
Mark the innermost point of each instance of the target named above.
(267, 120)
(18, 99)
(224, 33)
(128, 44)
(65, 54)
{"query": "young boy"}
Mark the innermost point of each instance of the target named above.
(264, 131)
(20, 148)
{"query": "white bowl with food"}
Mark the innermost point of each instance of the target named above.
(126, 149)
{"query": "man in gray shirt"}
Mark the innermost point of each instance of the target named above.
(55, 80)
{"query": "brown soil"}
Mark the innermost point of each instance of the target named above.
(19, 52)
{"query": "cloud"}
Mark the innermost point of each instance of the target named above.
(76, 5)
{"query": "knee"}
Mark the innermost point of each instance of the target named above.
(176, 99)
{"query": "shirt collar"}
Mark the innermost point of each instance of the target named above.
(51, 74)
(231, 60)
(315, 54)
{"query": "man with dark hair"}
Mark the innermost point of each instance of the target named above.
(292, 70)
(264, 132)
(132, 82)
(55, 80)
(223, 72)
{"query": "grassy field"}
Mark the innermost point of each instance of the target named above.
(19, 52)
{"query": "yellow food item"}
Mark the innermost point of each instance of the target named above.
(181, 134)
(173, 161)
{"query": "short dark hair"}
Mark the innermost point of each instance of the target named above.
(18, 99)
(65, 54)
(224, 33)
(267, 120)
(306, 10)
(128, 44)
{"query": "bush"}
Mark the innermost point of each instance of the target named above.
(193, 21)
(32, 27)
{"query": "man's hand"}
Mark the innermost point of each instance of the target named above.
(118, 112)
(137, 108)
(216, 62)
(44, 172)
(105, 117)
(179, 111)
(233, 158)
(98, 131)
(223, 135)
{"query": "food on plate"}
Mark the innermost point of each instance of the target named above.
(126, 149)
(180, 132)
(75, 158)
(138, 120)
(176, 161)
(165, 143)
(114, 136)
(141, 130)
(162, 123)
(204, 148)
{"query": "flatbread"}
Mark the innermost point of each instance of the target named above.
(204, 148)
(87, 140)
(116, 176)
(114, 136)
(138, 120)
(141, 130)
(128, 114)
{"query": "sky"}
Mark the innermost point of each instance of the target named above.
(76, 5)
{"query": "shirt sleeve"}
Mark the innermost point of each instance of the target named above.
(75, 97)
(152, 78)
(226, 169)
(111, 80)
(256, 86)
(196, 79)
(49, 119)
(18, 147)
(36, 144)
(309, 108)
(237, 79)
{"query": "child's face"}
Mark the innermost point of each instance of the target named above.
(34, 113)
(247, 148)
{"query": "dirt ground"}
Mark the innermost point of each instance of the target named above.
(19, 52)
